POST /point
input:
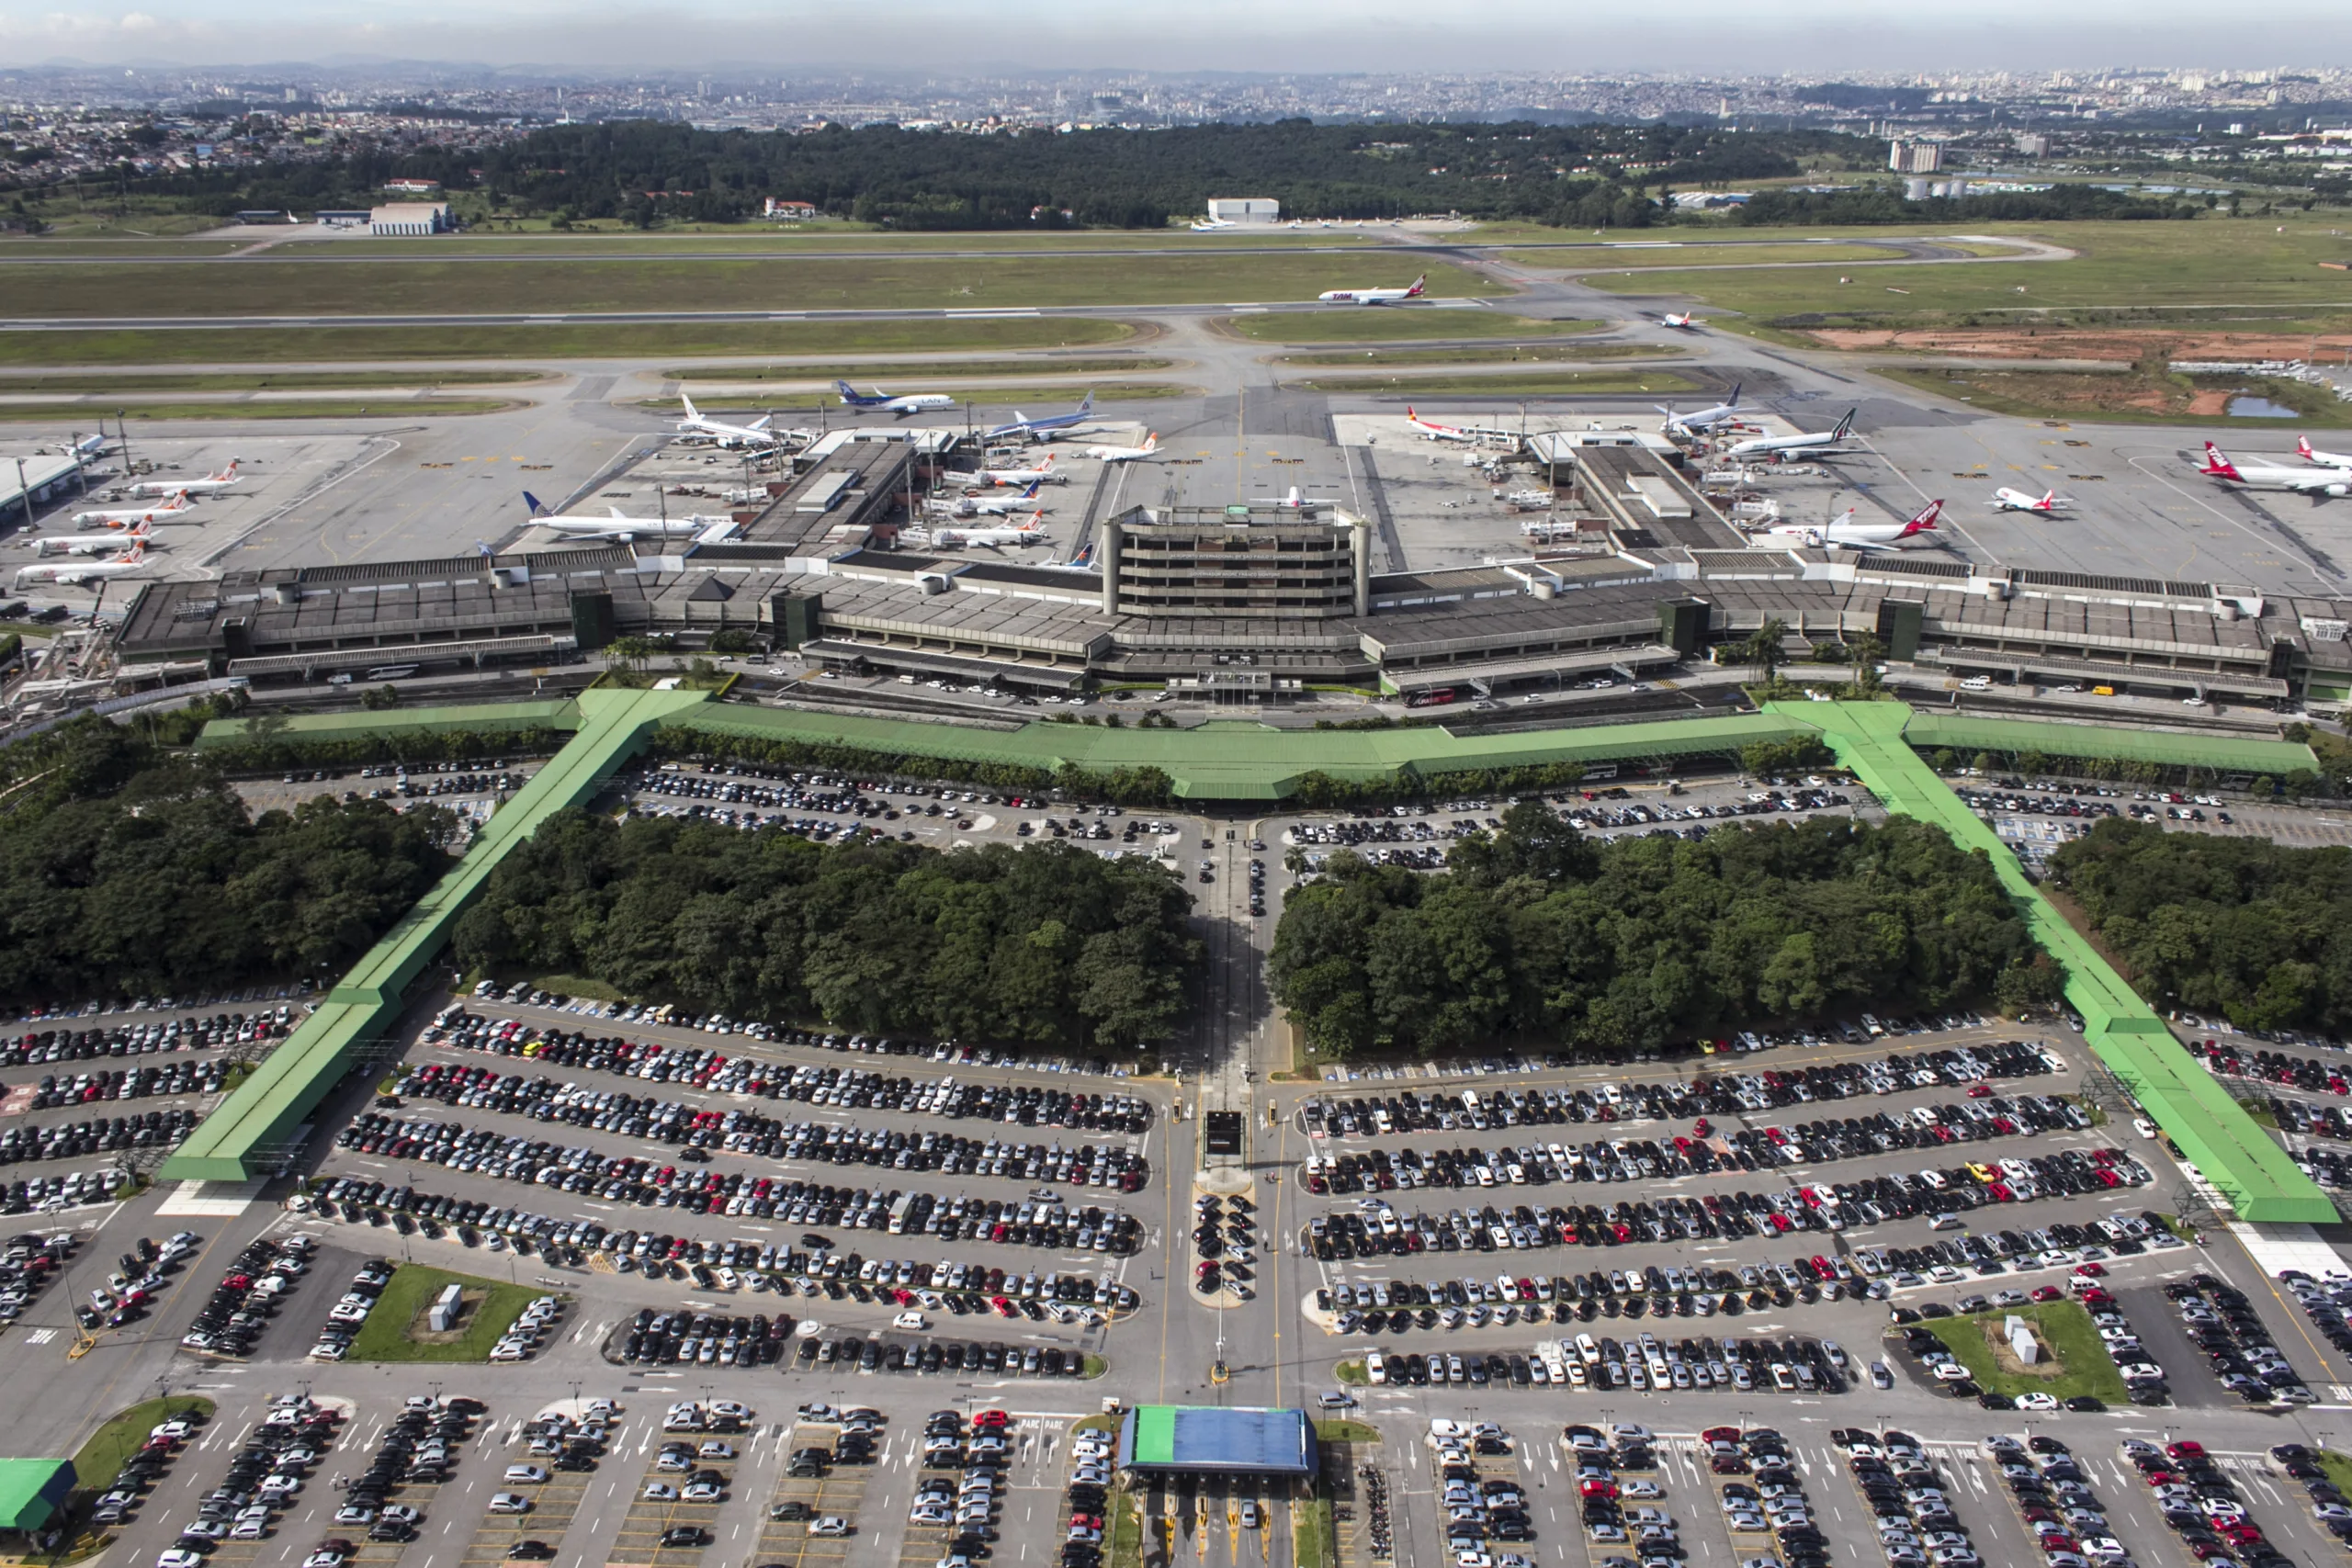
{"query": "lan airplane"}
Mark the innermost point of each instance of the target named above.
(81, 573)
(1702, 418)
(1035, 428)
(1845, 534)
(2008, 499)
(131, 516)
(1143, 453)
(2317, 481)
(110, 543)
(755, 433)
(618, 525)
(208, 483)
(1783, 446)
(1373, 296)
(881, 402)
(1030, 533)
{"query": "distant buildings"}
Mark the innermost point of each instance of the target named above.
(1245, 210)
(787, 209)
(1914, 157)
(413, 187)
(410, 219)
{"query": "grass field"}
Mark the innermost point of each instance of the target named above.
(1557, 382)
(861, 369)
(244, 381)
(1346, 1432)
(821, 238)
(357, 289)
(102, 1453)
(263, 345)
(1126, 1534)
(1570, 353)
(1313, 1544)
(1684, 254)
(399, 405)
(2065, 1327)
(2127, 270)
(1104, 393)
(385, 1336)
(2131, 396)
(1381, 324)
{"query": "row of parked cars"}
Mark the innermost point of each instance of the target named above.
(189, 1074)
(294, 1434)
(1899, 1483)
(145, 1465)
(2221, 1321)
(34, 1047)
(104, 1134)
(231, 1320)
(29, 1263)
(2325, 1302)
(352, 1309)
(2204, 1507)
(417, 1448)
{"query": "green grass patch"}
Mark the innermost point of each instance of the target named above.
(399, 405)
(865, 369)
(265, 286)
(278, 381)
(2338, 1467)
(817, 239)
(1557, 382)
(2126, 271)
(1094, 1365)
(577, 986)
(1568, 353)
(1346, 1432)
(1104, 393)
(103, 1451)
(2132, 395)
(2177, 1225)
(1314, 1543)
(1358, 323)
(1106, 1423)
(1594, 258)
(2066, 1330)
(1126, 1534)
(1351, 1372)
(258, 345)
(386, 1336)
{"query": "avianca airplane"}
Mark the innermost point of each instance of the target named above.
(1144, 453)
(2008, 499)
(1030, 533)
(1373, 296)
(1845, 534)
(129, 516)
(755, 433)
(2333, 459)
(1435, 431)
(1702, 418)
(93, 544)
(209, 482)
(883, 402)
(1686, 322)
(82, 573)
(1775, 445)
(2316, 481)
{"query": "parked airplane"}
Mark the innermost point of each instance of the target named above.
(1685, 320)
(2333, 459)
(883, 402)
(1373, 296)
(757, 433)
(615, 524)
(1777, 446)
(1035, 428)
(1042, 473)
(1845, 534)
(126, 516)
(1295, 502)
(2008, 499)
(1144, 453)
(1082, 561)
(81, 446)
(1210, 225)
(205, 486)
(2314, 481)
(108, 543)
(81, 573)
(1702, 420)
(988, 505)
(1432, 431)
(1030, 533)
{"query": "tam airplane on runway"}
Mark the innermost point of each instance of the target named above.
(1143, 453)
(2008, 499)
(1373, 296)
(1844, 533)
(2314, 481)
(2331, 459)
(1683, 321)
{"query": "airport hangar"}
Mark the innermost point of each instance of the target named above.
(1242, 603)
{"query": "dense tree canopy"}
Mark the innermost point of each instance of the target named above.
(1048, 945)
(124, 871)
(1885, 203)
(1536, 932)
(2239, 926)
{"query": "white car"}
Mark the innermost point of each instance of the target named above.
(659, 1492)
(2037, 1402)
(911, 1320)
(1442, 1427)
(509, 1503)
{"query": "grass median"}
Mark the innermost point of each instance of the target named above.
(396, 405)
(1314, 1543)
(2127, 395)
(808, 398)
(396, 1331)
(1384, 323)
(102, 1453)
(1557, 383)
(66, 384)
(2065, 1327)
(899, 369)
(1565, 353)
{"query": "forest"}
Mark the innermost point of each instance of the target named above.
(1885, 203)
(648, 172)
(126, 871)
(2239, 926)
(1049, 946)
(1538, 933)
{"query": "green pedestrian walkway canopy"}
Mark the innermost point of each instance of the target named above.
(33, 1490)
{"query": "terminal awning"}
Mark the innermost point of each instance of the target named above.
(1511, 671)
(2099, 674)
(400, 653)
(965, 666)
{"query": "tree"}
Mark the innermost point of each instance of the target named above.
(1762, 650)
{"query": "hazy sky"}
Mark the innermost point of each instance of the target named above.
(1803, 36)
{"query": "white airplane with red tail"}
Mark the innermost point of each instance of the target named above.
(1844, 533)
(1373, 296)
(2314, 481)
(2008, 499)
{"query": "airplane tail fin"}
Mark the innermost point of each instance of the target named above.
(848, 392)
(1419, 283)
(2049, 499)
(538, 508)
(1151, 441)
(762, 421)
(2304, 447)
(1925, 522)
(1845, 425)
(690, 406)
(1086, 403)
(1733, 401)
(2218, 464)
(145, 530)
(137, 554)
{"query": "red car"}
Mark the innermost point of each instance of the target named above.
(2184, 1450)
(1598, 1488)
(991, 1420)
(1720, 1435)
(1980, 1091)
(2048, 1293)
